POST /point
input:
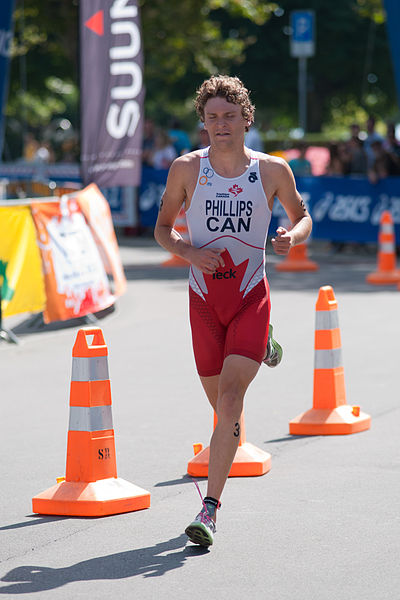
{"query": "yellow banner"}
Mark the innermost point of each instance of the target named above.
(21, 279)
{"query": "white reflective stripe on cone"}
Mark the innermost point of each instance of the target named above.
(387, 228)
(326, 319)
(90, 418)
(387, 247)
(89, 369)
(328, 359)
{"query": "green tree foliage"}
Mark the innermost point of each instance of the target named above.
(44, 70)
(184, 42)
(350, 70)
(373, 9)
(182, 45)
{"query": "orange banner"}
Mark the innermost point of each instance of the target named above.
(98, 215)
(75, 279)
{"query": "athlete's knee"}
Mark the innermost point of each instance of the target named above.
(229, 406)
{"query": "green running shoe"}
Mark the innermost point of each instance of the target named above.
(274, 350)
(201, 530)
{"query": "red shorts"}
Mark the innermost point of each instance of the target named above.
(226, 323)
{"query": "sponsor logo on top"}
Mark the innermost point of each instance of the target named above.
(207, 174)
(235, 190)
(253, 177)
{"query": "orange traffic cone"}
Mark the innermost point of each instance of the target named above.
(330, 413)
(297, 260)
(180, 226)
(386, 272)
(90, 487)
(249, 460)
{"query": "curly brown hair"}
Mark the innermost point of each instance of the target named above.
(230, 88)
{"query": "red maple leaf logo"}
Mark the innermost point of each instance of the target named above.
(235, 190)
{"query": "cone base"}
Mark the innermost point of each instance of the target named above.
(384, 277)
(91, 499)
(175, 261)
(327, 421)
(306, 265)
(249, 461)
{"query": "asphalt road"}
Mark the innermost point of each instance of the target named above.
(322, 524)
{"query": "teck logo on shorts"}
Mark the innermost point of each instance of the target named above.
(231, 274)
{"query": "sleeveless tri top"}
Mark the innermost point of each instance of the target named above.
(230, 213)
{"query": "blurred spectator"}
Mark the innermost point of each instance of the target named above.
(70, 150)
(358, 156)
(384, 165)
(372, 136)
(31, 146)
(355, 131)
(339, 160)
(44, 153)
(252, 139)
(149, 136)
(203, 139)
(179, 138)
(43, 156)
(300, 165)
(358, 162)
(164, 152)
(391, 144)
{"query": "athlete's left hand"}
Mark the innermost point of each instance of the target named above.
(282, 242)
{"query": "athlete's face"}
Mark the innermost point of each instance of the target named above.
(224, 122)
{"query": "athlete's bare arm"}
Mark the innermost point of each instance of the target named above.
(180, 186)
(278, 181)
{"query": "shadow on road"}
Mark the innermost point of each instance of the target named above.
(152, 561)
(184, 479)
(36, 520)
(289, 438)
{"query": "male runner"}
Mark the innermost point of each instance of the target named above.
(228, 191)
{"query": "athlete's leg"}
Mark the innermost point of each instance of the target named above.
(236, 375)
(210, 386)
(208, 337)
(247, 334)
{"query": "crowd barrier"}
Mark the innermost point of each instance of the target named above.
(343, 208)
(58, 257)
(31, 180)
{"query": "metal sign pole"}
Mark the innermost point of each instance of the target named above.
(302, 45)
(302, 85)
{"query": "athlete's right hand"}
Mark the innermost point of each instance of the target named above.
(207, 260)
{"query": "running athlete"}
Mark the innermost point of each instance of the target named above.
(228, 191)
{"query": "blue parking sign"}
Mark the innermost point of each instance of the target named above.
(302, 41)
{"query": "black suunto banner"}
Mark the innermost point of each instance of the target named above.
(111, 85)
